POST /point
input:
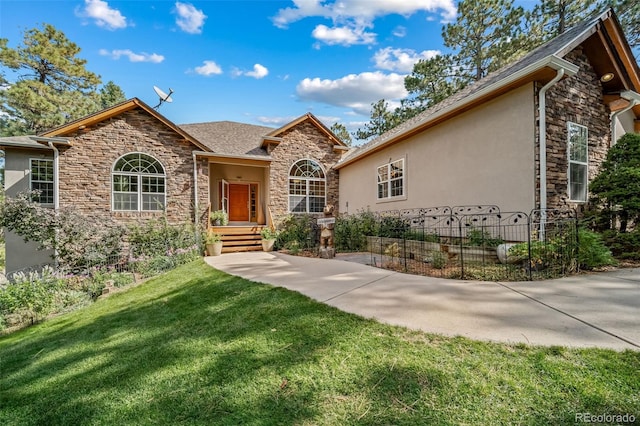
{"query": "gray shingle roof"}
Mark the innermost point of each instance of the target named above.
(229, 137)
(559, 46)
(21, 142)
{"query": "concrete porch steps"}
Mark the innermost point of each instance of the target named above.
(240, 238)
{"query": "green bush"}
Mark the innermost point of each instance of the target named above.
(298, 228)
(481, 238)
(31, 296)
(421, 235)
(592, 252)
(392, 227)
(623, 245)
(351, 231)
(159, 238)
(439, 260)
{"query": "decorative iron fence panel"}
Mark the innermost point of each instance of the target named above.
(472, 242)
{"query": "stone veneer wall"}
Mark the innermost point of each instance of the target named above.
(85, 167)
(577, 99)
(304, 141)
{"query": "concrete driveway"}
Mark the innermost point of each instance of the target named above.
(589, 310)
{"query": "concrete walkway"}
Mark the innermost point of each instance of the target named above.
(588, 310)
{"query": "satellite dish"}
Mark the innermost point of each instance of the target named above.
(163, 96)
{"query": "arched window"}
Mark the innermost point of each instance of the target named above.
(138, 183)
(307, 187)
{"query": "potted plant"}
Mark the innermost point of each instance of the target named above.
(269, 236)
(219, 217)
(213, 242)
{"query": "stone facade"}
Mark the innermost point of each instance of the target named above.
(577, 99)
(303, 141)
(85, 167)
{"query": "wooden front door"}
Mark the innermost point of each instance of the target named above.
(238, 202)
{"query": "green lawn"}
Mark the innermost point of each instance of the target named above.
(197, 346)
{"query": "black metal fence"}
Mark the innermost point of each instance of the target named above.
(471, 242)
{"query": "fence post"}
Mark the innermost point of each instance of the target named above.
(529, 265)
(461, 248)
(577, 241)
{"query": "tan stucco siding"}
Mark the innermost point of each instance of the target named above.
(19, 254)
(483, 156)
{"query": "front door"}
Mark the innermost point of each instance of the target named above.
(238, 202)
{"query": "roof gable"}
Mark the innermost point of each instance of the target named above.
(275, 134)
(121, 108)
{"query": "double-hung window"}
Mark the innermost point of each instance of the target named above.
(138, 183)
(578, 142)
(41, 180)
(391, 180)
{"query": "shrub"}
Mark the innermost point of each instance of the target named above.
(30, 295)
(592, 253)
(481, 238)
(392, 227)
(421, 235)
(78, 240)
(351, 231)
(616, 188)
(439, 260)
(623, 245)
(298, 228)
(159, 238)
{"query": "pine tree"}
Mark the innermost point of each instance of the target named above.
(486, 35)
(111, 94)
(53, 86)
(431, 81)
(342, 133)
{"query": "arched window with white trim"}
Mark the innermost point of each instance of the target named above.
(307, 187)
(138, 183)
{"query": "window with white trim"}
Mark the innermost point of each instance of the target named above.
(307, 187)
(41, 180)
(578, 173)
(138, 183)
(391, 180)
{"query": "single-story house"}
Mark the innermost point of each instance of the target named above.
(528, 136)
(129, 163)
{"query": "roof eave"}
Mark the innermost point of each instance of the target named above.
(550, 61)
(233, 156)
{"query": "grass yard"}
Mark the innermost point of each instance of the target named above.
(197, 346)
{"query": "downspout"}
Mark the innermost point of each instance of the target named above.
(56, 192)
(634, 99)
(542, 128)
(195, 199)
(56, 184)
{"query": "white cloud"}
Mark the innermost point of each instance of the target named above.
(189, 19)
(355, 91)
(259, 71)
(343, 35)
(275, 121)
(208, 68)
(133, 57)
(400, 60)
(400, 31)
(104, 15)
(361, 11)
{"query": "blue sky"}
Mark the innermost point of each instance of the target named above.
(261, 62)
